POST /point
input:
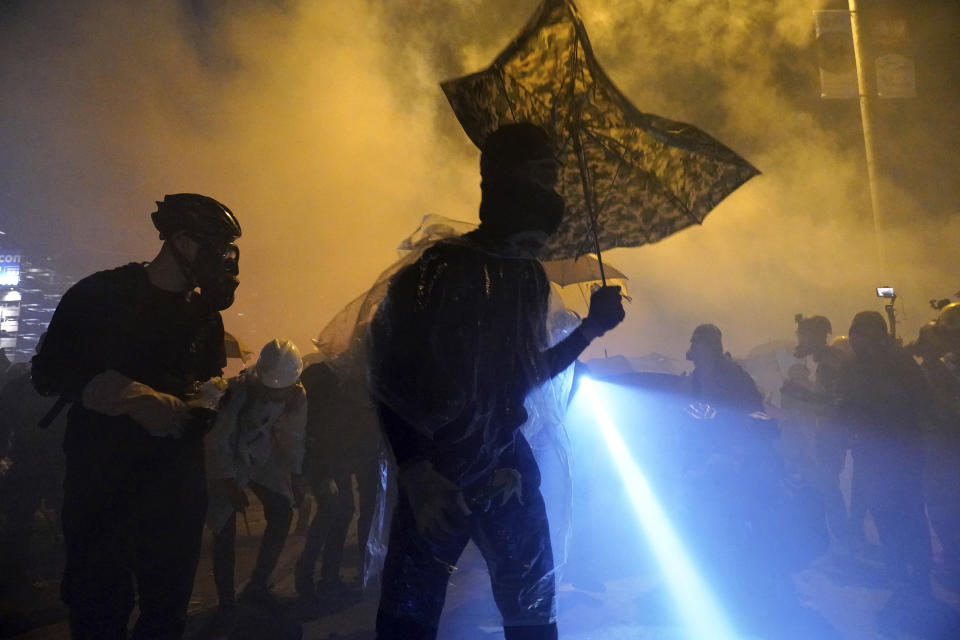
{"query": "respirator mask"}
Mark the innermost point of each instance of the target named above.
(216, 270)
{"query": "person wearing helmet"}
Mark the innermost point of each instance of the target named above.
(942, 460)
(832, 439)
(883, 396)
(129, 348)
(257, 442)
(455, 346)
(948, 327)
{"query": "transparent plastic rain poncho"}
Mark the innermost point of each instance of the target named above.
(456, 349)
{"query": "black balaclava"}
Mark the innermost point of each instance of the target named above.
(870, 323)
(510, 204)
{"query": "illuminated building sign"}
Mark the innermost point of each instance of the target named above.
(9, 268)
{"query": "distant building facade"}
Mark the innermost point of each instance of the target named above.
(29, 294)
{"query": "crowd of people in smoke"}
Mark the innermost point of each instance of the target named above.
(157, 444)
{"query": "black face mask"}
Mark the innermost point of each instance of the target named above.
(509, 207)
(216, 270)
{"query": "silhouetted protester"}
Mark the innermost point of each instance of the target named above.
(456, 345)
(257, 442)
(343, 440)
(717, 380)
(31, 479)
(942, 460)
(798, 424)
(884, 397)
(129, 347)
(749, 525)
(948, 330)
(832, 438)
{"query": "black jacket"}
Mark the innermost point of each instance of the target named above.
(117, 320)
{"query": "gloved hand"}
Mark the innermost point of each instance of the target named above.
(208, 394)
(437, 503)
(114, 394)
(606, 312)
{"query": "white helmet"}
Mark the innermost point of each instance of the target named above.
(279, 364)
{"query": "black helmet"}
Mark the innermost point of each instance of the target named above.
(198, 215)
(815, 325)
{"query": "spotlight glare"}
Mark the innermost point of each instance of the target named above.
(694, 602)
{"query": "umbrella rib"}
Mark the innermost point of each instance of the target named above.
(585, 175)
(506, 96)
(604, 141)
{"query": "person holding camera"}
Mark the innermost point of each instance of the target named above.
(129, 348)
(883, 396)
(942, 459)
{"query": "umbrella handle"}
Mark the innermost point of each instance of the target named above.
(596, 247)
(588, 198)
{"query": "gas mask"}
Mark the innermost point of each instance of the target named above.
(216, 270)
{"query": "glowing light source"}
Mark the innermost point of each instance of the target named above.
(695, 604)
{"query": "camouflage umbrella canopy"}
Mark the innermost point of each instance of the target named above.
(628, 177)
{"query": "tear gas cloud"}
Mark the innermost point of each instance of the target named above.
(323, 126)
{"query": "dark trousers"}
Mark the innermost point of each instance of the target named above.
(942, 491)
(278, 513)
(514, 540)
(832, 444)
(891, 482)
(328, 529)
(133, 508)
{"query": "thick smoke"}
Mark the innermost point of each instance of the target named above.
(322, 125)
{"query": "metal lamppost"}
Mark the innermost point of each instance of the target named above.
(866, 117)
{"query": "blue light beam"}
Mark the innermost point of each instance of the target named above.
(696, 605)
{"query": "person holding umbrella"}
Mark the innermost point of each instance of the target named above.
(456, 345)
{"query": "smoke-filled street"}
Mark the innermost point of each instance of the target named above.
(588, 320)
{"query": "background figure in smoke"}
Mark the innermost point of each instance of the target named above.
(718, 380)
(832, 440)
(798, 423)
(456, 345)
(129, 347)
(942, 460)
(31, 478)
(256, 442)
(342, 443)
(884, 398)
(750, 526)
